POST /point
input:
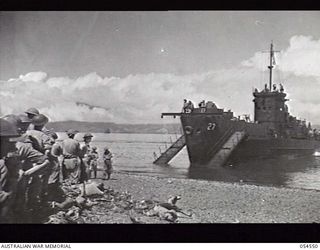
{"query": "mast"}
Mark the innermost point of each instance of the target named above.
(270, 66)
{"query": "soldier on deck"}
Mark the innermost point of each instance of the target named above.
(281, 88)
(185, 106)
(190, 107)
(202, 106)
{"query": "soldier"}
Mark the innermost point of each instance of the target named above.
(185, 106)
(86, 151)
(72, 155)
(42, 140)
(28, 194)
(281, 88)
(202, 106)
(9, 173)
(56, 151)
(93, 162)
(43, 143)
(107, 156)
(31, 112)
(55, 193)
(190, 106)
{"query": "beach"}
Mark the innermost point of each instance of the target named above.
(218, 202)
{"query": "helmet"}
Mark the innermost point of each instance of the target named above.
(87, 135)
(8, 129)
(40, 120)
(71, 131)
(32, 111)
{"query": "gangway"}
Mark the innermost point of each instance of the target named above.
(171, 152)
(225, 151)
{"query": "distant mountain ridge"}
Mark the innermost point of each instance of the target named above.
(109, 127)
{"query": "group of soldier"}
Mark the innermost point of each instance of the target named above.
(34, 165)
(188, 106)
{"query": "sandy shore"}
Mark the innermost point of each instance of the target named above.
(218, 202)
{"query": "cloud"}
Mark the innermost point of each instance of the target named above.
(33, 76)
(301, 58)
(142, 98)
(135, 98)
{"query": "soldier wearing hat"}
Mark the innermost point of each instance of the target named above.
(72, 154)
(31, 112)
(87, 157)
(86, 147)
(29, 187)
(43, 143)
(9, 173)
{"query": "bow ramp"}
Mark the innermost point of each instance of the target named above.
(225, 151)
(171, 152)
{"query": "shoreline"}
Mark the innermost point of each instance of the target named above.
(121, 172)
(222, 202)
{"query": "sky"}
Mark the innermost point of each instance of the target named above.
(129, 67)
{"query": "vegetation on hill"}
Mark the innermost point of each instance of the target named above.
(108, 127)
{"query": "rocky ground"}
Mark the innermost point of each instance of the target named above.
(129, 198)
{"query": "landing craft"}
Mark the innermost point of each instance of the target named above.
(214, 136)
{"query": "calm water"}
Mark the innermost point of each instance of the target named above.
(134, 153)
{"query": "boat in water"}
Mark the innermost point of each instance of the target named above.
(214, 136)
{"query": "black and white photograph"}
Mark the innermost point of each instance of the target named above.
(159, 117)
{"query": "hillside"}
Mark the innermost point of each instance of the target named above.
(107, 127)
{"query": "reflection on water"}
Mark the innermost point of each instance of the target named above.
(134, 153)
(290, 171)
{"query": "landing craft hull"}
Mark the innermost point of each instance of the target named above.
(205, 132)
(271, 148)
